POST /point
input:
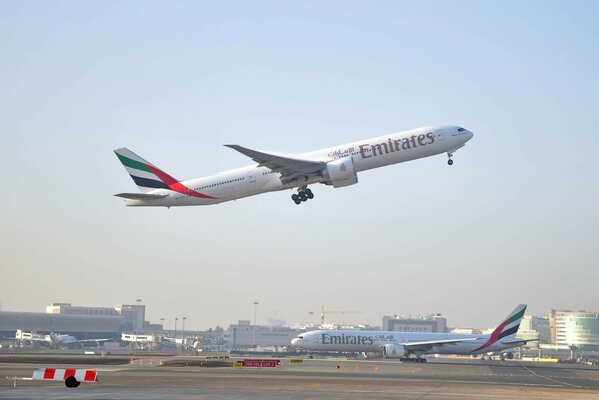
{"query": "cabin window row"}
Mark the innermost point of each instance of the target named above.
(220, 183)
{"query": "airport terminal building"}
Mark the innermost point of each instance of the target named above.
(430, 323)
(244, 336)
(575, 328)
(81, 322)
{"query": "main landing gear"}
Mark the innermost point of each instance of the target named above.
(413, 359)
(303, 195)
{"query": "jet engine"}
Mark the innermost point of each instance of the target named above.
(394, 351)
(340, 172)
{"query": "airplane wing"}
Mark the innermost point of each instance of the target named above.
(33, 339)
(289, 166)
(427, 345)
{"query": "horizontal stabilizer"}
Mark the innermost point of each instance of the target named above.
(523, 341)
(141, 196)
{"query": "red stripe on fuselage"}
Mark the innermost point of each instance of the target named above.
(175, 185)
(494, 336)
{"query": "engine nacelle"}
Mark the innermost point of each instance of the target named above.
(341, 172)
(394, 351)
(508, 355)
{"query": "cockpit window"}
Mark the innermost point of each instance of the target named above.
(461, 129)
(300, 337)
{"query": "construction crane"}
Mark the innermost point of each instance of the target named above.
(322, 313)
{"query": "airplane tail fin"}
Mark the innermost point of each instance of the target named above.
(511, 324)
(145, 175)
(509, 327)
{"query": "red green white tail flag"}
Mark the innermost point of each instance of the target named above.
(148, 177)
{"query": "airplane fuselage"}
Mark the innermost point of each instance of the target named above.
(366, 154)
(374, 341)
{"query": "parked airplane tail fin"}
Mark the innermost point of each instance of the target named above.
(509, 327)
(145, 175)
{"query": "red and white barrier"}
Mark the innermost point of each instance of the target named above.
(71, 377)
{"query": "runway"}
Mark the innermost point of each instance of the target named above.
(318, 379)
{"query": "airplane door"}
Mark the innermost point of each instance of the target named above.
(440, 135)
(252, 176)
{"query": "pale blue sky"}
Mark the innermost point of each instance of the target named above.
(513, 220)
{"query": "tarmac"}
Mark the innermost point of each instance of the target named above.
(168, 377)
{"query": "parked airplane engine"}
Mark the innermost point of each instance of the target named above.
(394, 351)
(341, 172)
(508, 355)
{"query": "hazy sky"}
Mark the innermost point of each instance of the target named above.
(514, 220)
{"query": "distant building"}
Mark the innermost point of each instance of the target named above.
(243, 336)
(535, 329)
(67, 308)
(575, 328)
(429, 323)
(466, 331)
(133, 315)
(82, 322)
(80, 326)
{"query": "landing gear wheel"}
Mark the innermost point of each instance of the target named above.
(450, 161)
(303, 196)
(297, 201)
(294, 197)
(309, 193)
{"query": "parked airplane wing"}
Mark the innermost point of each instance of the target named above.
(288, 165)
(435, 343)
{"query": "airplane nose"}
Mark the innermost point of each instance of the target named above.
(469, 136)
(294, 341)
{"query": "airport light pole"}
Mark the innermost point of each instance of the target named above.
(254, 332)
(183, 339)
(162, 324)
(21, 340)
(138, 301)
(176, 319)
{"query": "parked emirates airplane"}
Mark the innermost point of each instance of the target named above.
(337, 166)
(404, 345)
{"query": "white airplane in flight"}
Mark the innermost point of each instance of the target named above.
(337, 166)
(404, 345)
